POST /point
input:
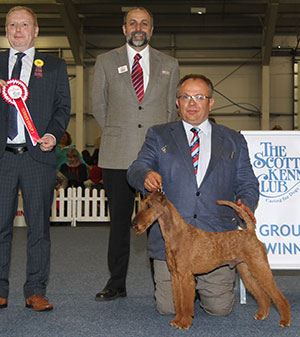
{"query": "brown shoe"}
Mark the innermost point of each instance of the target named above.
(38, 303)
(3, 302)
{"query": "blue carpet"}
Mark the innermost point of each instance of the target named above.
(79, 271)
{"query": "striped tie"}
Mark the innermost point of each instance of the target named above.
(194, 147)
(137, 77)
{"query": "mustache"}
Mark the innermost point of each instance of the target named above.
(138, 32)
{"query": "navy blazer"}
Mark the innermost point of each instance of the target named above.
(48, 103)
(229, 176)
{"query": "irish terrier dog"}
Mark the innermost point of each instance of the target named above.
(190, 250)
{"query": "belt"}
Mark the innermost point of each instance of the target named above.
(16, 149)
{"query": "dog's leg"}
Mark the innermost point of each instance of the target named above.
(263, 300)
(261, 271)
(184, 295)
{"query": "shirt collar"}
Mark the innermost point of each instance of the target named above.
(131, 52)
(205, 127)
(29, 52)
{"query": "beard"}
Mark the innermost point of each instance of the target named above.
(133, 41)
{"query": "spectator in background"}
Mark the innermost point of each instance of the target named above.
(95, 179)
(74, 170)
(134, 88)
(61, 181)
(63, 146)
(92, 160)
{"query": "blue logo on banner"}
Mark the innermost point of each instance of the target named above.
(280, 177)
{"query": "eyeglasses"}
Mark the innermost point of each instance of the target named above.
(197, 98)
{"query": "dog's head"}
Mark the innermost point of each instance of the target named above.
(150, 211)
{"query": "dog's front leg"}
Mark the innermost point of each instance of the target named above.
(183, 285)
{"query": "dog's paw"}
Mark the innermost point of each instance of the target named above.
(284, 323)
(183, 323)
(259, 316)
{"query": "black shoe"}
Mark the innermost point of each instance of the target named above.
(109, 295)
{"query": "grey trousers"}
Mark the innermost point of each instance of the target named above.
(215, 290)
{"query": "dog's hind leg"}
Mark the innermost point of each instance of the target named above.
(262, 272)
(263, 300)
(184, 295)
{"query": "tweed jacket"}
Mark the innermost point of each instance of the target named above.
(122, 118)
(229, 176)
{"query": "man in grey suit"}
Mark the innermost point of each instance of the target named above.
(25, 165)
(217, 167)
(130, 93)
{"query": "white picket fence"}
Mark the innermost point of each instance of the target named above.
(76, 205)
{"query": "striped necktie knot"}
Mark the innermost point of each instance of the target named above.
(194, 148)
(137, 77)
(18, 65)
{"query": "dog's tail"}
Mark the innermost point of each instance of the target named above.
(243, 214)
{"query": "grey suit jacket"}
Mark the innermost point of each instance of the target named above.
(48, 103)
(123, 119)
(229, 177)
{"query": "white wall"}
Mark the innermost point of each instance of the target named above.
(239, 81)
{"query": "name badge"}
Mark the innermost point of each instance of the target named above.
(122, 69)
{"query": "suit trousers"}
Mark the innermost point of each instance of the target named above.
(215, 290)
(121, 201)
(37, 181)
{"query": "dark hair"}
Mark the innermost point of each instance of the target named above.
(140, 8)
(69, 141)
(276, 127)
(195, 77)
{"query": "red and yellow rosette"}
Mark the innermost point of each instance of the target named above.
(16, 93)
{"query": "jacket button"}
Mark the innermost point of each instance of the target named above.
(197, 194)
(140, 108)
(140, 125)
(195, 216)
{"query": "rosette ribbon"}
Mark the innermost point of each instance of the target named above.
(16, 93)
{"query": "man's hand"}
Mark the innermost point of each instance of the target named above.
(47, 143)
(246, 209)
(152, 181)
(3, 83)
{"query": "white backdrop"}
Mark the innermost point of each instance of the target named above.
(275, 157)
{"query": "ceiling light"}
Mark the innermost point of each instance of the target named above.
(198, 10)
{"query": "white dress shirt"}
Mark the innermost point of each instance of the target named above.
(144, 62)
(204, 149)
(27, 62)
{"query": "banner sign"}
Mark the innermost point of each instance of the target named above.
(275, 158)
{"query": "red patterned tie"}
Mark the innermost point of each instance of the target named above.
(137, 77)
(194, 147)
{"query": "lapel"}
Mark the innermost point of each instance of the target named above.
(154, 62)
(179, 138)
(34, 80)
(154, 67)
(216, 149)
(4, 64)
(122, 60)
(4, 75)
